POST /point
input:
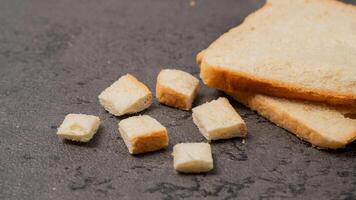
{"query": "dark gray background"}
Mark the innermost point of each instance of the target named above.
(57, 56)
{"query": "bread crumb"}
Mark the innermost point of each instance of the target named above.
(192, 3)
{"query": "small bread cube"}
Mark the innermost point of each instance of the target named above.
(78, 127)
(143, 134)
(126, 95)
(219, 120)
(176, 88)
(192, 157)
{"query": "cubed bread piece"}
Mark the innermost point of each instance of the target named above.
(143, 134)
(219, 120)
(78, 127)
(192, 157)
(176, 88)
(126, 95)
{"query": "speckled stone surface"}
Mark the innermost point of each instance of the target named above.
(56, 56)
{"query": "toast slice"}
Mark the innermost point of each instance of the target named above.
(289, 48)
(322, 125)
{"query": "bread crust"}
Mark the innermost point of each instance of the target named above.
(150, 142)
(172, 98)
(220, 78)
(288, 122)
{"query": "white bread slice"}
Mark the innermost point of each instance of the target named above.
(143, 134)
(219, 120)
(125, 96)
(322, 125)
(78, 127)
(302, 49)
(176, 88)
(192, 157)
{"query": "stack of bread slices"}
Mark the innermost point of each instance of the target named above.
(294, 62)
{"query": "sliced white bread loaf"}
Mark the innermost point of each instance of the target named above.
(126, 95)
(322, 125)
(176, 88)
(289, 48)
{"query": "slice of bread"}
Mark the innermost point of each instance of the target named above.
(143, 134)
(289, 48)
(78, 127)
(125, 96)
(192, 157)
(322, 125)
(219, 120)
(176, 88)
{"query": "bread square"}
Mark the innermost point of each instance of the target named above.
(192, 157)
(143, 134)
(125, 96)
(219, 120)
(78, 127)
(176, 88)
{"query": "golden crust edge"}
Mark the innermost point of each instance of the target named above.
(153, 141)
(171, 98)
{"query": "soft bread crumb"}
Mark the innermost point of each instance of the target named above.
(125, 96)
(143, 134)
(78, 127)
(219, 120)
(176, 88)
(192, 157)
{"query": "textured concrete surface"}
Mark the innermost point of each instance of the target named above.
(57, 56)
